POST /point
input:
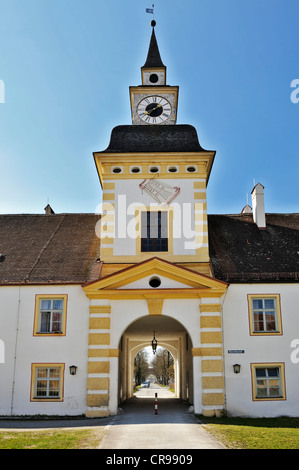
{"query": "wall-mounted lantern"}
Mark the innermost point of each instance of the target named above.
(237, 368)
(73, 370)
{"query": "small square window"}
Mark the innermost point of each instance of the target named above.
(50, 315)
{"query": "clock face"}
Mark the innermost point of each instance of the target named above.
(154, 109)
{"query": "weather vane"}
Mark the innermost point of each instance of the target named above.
(151, 10)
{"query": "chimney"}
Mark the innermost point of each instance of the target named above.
(258, 208)
(48, 210)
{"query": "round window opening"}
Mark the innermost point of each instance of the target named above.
(154, 78)
(116, 170)
(154, 169)
(172, 169)
(135, 169)
(155, 282)
(191, 169)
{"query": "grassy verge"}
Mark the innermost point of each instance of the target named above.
(52, 439)
(254, 433)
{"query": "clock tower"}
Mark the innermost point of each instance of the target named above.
(154, 102)
(155, 266)
(154, 175)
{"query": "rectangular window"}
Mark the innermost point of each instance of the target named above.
(268, 381)
(50, 315)
(264, 314)
(47, 382)
(154, 231)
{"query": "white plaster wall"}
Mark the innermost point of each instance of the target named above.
(259, 349)
(134, 197)
(16, 330)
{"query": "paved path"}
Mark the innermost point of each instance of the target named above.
(172, 428)
(138, 427)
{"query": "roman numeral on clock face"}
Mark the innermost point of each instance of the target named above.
(154, 109)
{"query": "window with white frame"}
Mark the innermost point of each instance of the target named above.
(50, 314)
(268, 381)
(265, 316)
(47, 382)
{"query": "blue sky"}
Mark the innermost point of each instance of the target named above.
(67, 66)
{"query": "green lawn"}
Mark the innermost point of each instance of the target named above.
(52, 439)
(255, 433)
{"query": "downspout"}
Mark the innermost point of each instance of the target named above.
(15, 353)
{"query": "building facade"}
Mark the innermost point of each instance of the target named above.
(82, 294)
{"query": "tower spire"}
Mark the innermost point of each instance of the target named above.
(153, 57)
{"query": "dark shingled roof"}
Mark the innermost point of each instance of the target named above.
(143, 138)
(153, 57)
(52, 248)
(64, 248)
(241, 252)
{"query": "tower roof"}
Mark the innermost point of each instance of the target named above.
(153, 56)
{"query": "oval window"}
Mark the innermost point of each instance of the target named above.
(191, 169)
(116, 170)
(154, 78)
(155, 282)
(172, 169)
(135, 169)
(154, 169)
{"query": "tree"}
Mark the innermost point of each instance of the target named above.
(162, 365)
(140, 366)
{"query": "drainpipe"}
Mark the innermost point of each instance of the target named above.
(15, 352)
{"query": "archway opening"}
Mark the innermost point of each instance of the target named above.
(171, 366)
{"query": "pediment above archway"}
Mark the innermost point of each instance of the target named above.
(134, 283)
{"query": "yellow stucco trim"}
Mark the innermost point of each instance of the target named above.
(202, 160)
(212, 365)
(97, 383)
(100, 367)
(95, 352)
(96, 413)
(210, 322)
(98, 338)
(99, 323)
(206, 351)
(199, 185)
(108, 196)
(212, 399)
(166, 269)
(100, 309)
(212, 382)
(97, 399)
(211, 337)
(155, 306)
(210, 308)
(108, 186)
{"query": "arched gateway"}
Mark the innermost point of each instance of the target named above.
(154, 252)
